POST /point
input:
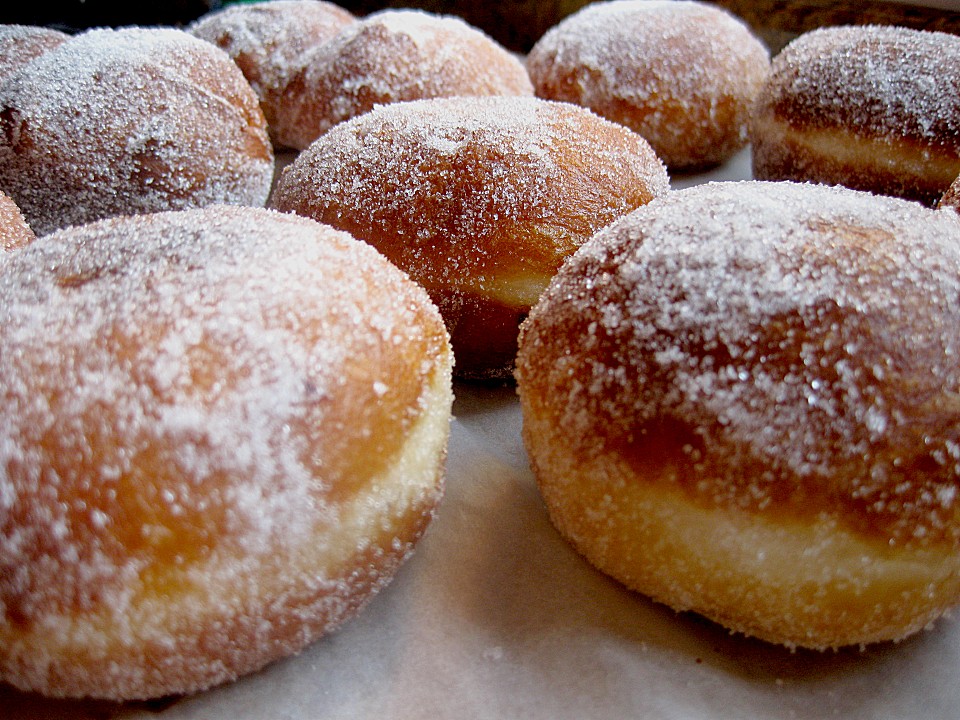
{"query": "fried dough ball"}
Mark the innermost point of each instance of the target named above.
(224, 430)
(872, 108)
(478, 199)
(682, 74)
(116, 122)
(268, 41)
(741, 400)
(392, 56)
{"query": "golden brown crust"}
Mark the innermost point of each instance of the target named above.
(478, 199)
(779, 368)
(872, 108)
(226, 430)
(14, 231)
(951, 198)
(393, 56)
(683, 75)
(269, 42)
(128, 121)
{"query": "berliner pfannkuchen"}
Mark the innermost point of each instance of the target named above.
(268, 40)
(19, 44)
(682, 74)
(742, 400)
(392, 56)
(951, 198)
(115, 122)
(873, 108)
(223, 430)
(14, 231)
(478, 199)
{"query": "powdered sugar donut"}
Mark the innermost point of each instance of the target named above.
(741, 400)
(267, 41)
(873, 108)
(223, 431)
(19, 44)
(478, 199)
(392, 56)
(682, 74)
(129, 121)
(14, 231)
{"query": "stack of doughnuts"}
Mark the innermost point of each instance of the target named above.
(224, 430)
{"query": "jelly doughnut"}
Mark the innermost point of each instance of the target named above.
(741, 400)
(224, 430)
(682, 74)
(478, 199)
(873, 108)
(268, 40)
(392, 56)
(117, 122)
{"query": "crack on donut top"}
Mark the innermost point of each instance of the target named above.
(801, 337)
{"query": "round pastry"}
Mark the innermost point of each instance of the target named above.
(116, 122)
(19, 44)
(951, 198)
(873, 108)
(267, 41)
(14, 231)
(392, 56)
(741, 400)
(682, 74)
(224, 430)
(478, 199)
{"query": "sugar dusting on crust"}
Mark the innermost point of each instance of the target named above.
(797, 344)
(128, 121)
(883, 82)
(175, 390)
(682, 74)
(14, 231)
(394, 56)
(19, 44)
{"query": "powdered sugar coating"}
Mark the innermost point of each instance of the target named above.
(19, 44)
(268, 41)
(393, 56)
(202, 410)
(479, 199)
(130, 121)
(682, 74)
(789, 350)
(894, 91)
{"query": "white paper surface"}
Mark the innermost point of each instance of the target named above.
(496, 617)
